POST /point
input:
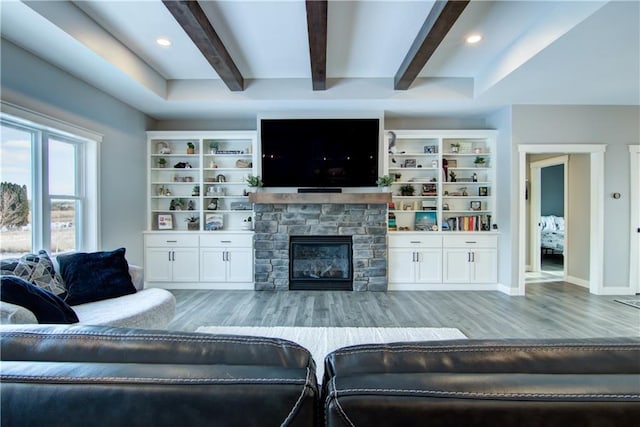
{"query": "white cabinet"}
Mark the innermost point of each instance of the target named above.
(171, 257)
(415, 259)
(470, 259)
(227, 259)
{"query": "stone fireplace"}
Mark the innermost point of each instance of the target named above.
(276, 223)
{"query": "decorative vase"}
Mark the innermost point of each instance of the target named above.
(193, 226)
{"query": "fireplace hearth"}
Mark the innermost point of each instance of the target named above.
(320, 263)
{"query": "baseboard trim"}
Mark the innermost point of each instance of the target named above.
(577, 281)
(201, 285)
(443, 287)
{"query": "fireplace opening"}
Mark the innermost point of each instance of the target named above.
(320, 263)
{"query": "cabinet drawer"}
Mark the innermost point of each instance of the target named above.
(227, 241)
(470, 241)
(171, 240)
(415, 240)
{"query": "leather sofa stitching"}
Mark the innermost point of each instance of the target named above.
(170, 338)
(484, 349)
(333, 396)
(296, 406)
(141, 380)
(483, 394)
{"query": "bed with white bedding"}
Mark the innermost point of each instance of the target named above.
(552, 234)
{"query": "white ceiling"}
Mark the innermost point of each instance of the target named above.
(533, 52)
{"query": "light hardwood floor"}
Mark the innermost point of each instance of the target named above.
(550, 310)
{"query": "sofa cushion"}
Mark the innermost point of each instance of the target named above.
(35, 268)
(95, 276)
(45, 305)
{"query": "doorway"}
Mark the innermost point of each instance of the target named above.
(548, 203)
(595, 153)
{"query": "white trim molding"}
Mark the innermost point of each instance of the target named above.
(596, 226)
(634, 222)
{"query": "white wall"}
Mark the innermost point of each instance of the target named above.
(578, 220)
(32, 83)
(616, 126)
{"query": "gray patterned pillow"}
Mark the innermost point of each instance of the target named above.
(35, 268)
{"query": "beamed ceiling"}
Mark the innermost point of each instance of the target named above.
(236, 59)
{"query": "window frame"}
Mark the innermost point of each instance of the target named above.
(86, 148)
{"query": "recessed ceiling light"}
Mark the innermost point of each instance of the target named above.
(163, 41)
(474, 38)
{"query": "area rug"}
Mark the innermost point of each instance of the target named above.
(320, 341)
(632, 302)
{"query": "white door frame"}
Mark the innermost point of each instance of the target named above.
(535, 193)
(634, 201)
(596, 222)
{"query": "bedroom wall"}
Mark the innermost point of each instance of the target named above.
(552, 190)
(31, 83)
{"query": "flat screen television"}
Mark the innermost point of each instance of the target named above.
(319, 152)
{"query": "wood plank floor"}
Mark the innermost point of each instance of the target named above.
(550, 310)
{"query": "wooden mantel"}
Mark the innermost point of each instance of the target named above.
(311, 198)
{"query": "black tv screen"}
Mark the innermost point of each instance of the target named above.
(319, 152)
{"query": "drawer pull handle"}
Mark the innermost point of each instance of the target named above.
(225, 241)
(471, 242)
(416, 241)
(171, 241)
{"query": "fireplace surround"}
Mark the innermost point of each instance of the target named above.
(321, 263)
(365, 223)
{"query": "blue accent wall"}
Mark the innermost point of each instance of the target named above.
(552, 194)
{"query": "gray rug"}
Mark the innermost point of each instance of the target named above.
(320, 341)
(632, 302)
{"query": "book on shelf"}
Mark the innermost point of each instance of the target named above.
(469, 223)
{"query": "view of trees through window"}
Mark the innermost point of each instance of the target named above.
(27, 199)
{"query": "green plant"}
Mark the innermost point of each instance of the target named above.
(253, 181)
(213, 145)
(162, 161)
(479, 160)
(407, 190)
(196, 190)
(192, 219)
(384, 181)
(191, 146)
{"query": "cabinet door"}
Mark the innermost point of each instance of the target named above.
(429, 266)
(158, 265)
(213, 267)
(185, 264)
(484, 266)
(240, 265)
(456, 265)
(401, 265)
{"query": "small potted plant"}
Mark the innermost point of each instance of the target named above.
(191, 148)
(196, 190)
(455, 147)
(407, 190)
(162, 162)
(479, 161)
(384, 182)
(452, 176)
(254, 181)
(213, 147)
(193, 223)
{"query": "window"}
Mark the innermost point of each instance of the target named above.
(48, 194)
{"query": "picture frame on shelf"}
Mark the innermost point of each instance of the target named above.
(213, 221)
(476, 205)
(426, 221)
(410, 163)
(452, 163)
(430, 149)
(483, 191)
(165, 222)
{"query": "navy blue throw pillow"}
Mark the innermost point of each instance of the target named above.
(95, 276)
(45, 305)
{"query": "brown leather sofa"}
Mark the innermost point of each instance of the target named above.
(587, 382)
(104, 376)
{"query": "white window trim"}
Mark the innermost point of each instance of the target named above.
(91, 216)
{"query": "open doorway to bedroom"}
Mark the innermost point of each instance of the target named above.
(548, 195)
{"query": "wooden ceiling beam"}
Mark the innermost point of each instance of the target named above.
(438, 23)
(317, 30)
(195, 23)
